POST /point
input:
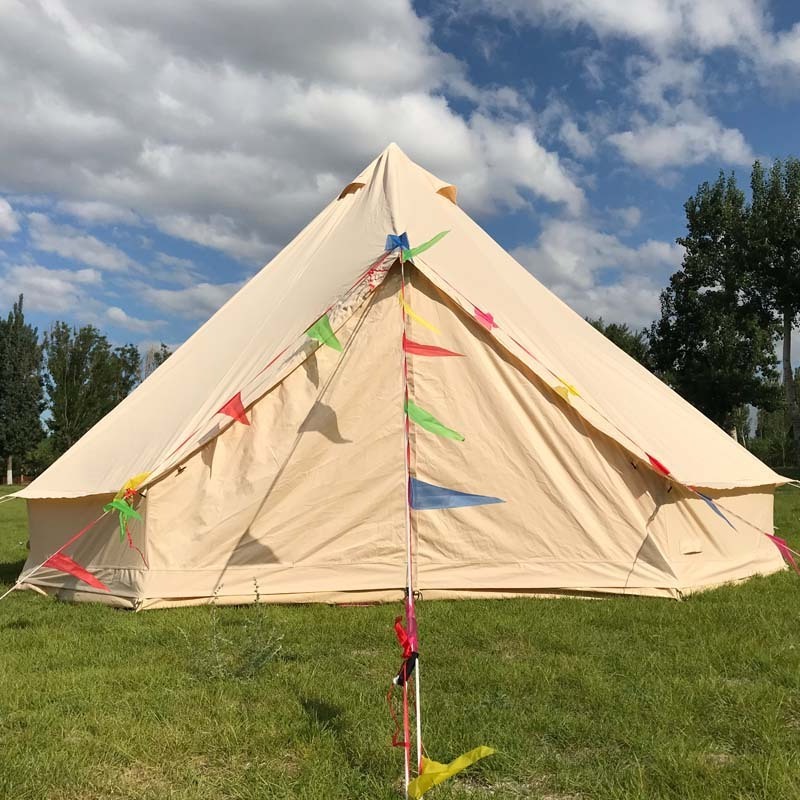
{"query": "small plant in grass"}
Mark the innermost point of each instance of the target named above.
(239, 644)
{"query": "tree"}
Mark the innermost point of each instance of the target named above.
(85, 378)
(634, 343)
(714, 342)
(20, 387)
(154, 358)
(774, 230)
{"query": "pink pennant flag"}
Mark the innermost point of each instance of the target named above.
(65, 564)
(234, 408)
(658, 466)
(784, 550)
(485, 319)
(417, 349)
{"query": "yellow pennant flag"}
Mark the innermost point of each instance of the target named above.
(566, 389)
(434, 773)
(132, 483)
(417, 317)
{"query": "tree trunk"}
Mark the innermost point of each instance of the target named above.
(788, 383)
(9, 471)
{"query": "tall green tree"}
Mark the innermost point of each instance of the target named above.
(635, 343)
(774, 229)
(85, 378)
(714, 341)
(20, 387)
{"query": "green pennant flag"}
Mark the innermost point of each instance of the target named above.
(415, 251)
(321, 331)
(126, 512)
(426, 420)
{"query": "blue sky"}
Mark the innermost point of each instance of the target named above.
(158, 154)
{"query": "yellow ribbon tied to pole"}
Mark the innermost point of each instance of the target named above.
(434, 773)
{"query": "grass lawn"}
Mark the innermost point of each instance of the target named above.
(619, 698)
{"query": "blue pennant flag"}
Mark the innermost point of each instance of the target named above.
(426, 496)
(393, 242)
(714, 507)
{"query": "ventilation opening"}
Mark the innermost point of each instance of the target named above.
(351, 188)
(450, 193)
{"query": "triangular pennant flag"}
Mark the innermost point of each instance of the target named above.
(485, 319)
(565, 389)
(408, 254)
(321, 331)
(784, 550)
(65, 564)
(393, 242)
(417, 317)
(658, 466)
(132, 484)
(712, 505)
(433, 773)
(417, 349)
(426, 420)
(126, 512)
(234, 408)
(426, 496)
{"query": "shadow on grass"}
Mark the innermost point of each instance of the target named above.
(322, 715)
(10, 570)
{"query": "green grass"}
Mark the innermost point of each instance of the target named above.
(619, 698)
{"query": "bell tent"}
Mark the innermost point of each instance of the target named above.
(393, 401)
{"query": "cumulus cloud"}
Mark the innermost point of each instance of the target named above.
(48, 290)
(692, 141)
(579, 143)
(72, 243)
(596, 273)
(230, 126)
(122, 319)
(194, 302)
(9, 221)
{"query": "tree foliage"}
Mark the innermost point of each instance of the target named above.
(714, 342)
(154, 358)
(21, 400)
(85, 378)
(635, 343)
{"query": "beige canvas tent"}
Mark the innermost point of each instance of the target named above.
(305, 492)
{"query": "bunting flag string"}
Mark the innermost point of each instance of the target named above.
(409, 253)
(234, 408)
(434, 773)
(427, 421)
(428, 496)
(711, 504)
(322, 331)
(417, 349)
(65, 564)
(417, 317)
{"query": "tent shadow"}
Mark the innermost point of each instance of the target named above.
(323, 716)
(10, 570)
(250, 550)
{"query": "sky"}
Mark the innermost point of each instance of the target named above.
(155, 155)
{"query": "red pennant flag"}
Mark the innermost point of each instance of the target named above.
(784, 550)
(234, 408)
(417, 349)
(65, 564)
(658, 466)
(485, 319)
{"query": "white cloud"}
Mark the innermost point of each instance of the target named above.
(576, 140)
(232, 125)
(194, 302)
(71, 243)
(629, 216)
(48, 290)
(121, 318)
(9, 221)
(572, 258)
(96, 211)
(660, 145)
